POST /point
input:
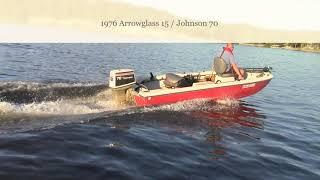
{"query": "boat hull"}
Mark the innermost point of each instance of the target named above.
(215, 93)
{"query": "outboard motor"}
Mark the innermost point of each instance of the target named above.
(120, 81)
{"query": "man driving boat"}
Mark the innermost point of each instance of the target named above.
(228, 57)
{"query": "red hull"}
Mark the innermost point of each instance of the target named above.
(234, 92)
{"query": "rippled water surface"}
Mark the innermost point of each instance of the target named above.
(57, 119)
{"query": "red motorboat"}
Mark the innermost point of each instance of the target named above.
(172, 88)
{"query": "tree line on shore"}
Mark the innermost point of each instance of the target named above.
(311, 46)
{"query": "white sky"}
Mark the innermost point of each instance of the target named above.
(272, 14)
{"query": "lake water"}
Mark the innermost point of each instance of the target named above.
(57, 119)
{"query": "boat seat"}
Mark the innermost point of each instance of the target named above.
(174, 80)
(220, 67)
(227, 75)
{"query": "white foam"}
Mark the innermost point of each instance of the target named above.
(6, 107)
(99, 103)
(22, 85)
(195, 105)
(228, 102)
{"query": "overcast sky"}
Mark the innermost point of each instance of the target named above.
(272, 14)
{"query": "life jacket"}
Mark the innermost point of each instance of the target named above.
(227, 49)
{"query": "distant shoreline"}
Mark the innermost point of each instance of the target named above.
(275, 46)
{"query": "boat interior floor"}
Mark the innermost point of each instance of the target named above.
(198, 80)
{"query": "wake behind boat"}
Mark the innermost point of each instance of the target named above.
(171, 88)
